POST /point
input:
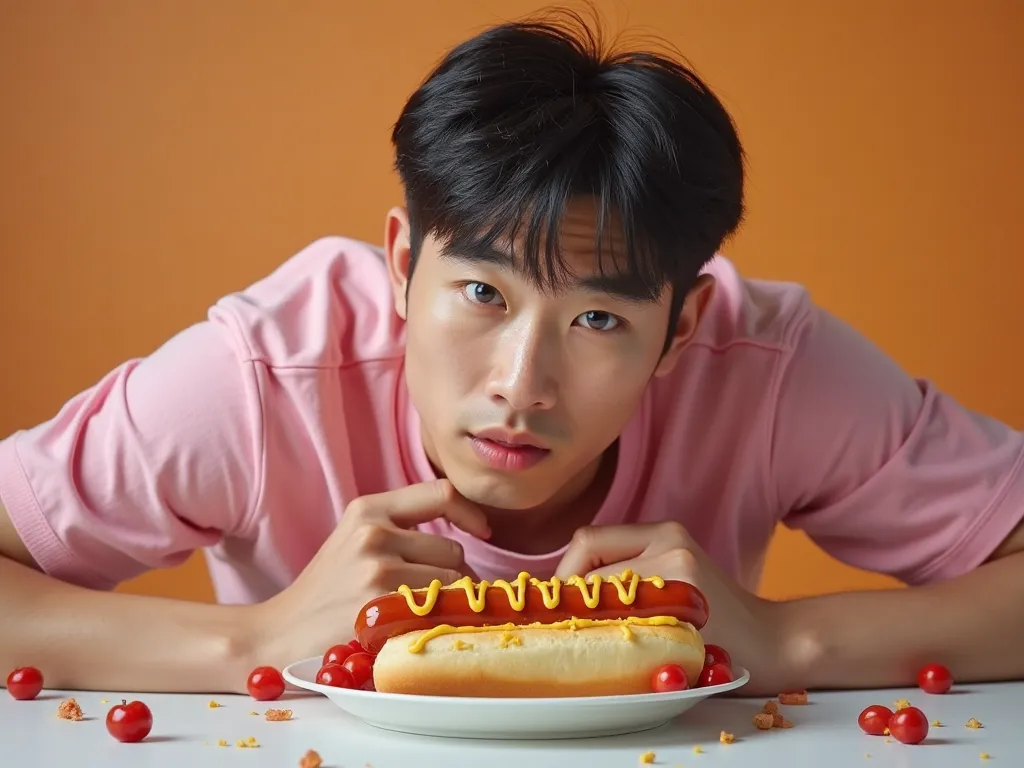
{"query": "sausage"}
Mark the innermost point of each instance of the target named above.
(390, 615)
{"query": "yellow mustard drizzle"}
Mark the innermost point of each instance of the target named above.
(417, 645)
(476, 593)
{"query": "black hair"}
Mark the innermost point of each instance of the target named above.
(517, 121)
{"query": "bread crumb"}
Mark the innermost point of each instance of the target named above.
(222, 742)
(104, 701)
(885, 732)
(254, 712)
(249, 743)
(793, 697)
(764, 721)
(937, 724)
(771, 707)
(214, 705)
(972, 723)
(778, 721)
(726, 738)
(459, 645)
(900, 704)
(647, 757)
(277, 715)
(888, 741)
(69, 710)
(697, 750)
(985, 756)
(310, 760)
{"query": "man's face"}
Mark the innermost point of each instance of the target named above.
(520, 390)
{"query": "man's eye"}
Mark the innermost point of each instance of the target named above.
(481, 293)
(598, 321)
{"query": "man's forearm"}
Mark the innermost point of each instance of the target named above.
(85, 640)
(972, 624)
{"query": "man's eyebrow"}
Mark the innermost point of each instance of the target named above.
(620, 286)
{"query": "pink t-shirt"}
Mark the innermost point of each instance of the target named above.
(247, 434)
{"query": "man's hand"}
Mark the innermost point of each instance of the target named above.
(739, 621)
(374, 550)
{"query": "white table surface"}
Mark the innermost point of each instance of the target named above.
(186, 732)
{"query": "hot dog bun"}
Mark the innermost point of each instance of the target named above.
(609, 659)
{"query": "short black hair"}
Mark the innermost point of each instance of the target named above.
(517, 121)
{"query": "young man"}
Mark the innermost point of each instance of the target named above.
(544, 368)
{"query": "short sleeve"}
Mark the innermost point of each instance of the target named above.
(884, 471)
(157, 459)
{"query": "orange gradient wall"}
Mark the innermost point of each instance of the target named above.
(157, 155)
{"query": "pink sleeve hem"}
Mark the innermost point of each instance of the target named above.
(997, 521)
(35, 531)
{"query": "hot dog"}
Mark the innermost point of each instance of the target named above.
(581, 637)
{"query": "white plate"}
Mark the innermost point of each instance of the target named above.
(484, 718)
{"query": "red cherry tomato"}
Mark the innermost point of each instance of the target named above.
(265, 684)
(338, 653)
(361, 667)
(908, 725)
(25, 683)
(669, 677)
(716, 674)
(356, 647)
(336, 676)
(716, 654)
(129, 722)
(934, 678)
(875, 719)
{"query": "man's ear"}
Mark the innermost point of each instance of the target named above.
(697, 301)
(397, 253)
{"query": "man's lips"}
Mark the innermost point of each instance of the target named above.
(509, 439)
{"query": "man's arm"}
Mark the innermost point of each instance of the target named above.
(91, 640)
(971, 623)
(889, 474)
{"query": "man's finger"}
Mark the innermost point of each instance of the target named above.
(419, 576)
(597, 546)
(422, 502)
(427, 549)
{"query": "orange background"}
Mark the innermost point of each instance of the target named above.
(157, 155)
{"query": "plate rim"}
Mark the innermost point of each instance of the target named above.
(354, 694)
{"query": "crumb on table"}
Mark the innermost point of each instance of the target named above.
(900, 704)
(985, 756)
(778, 721)
(222, 742)
(277, 715)
(936, 724)
(698, 750)
(793, 697)
(104, 701)
(764, 721)
(726, 738)
(771, 707)
(647, 757)
(972, 723)
(214, 705)
(69, 710)
(249, 743)
(310, 760)
(254, 712)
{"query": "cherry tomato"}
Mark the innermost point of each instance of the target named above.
(25, 683)
(356, 647)
(716, 674)
(716, 654)
(669, 677)
(336, 676)
(129, 722)
(338, 653)
(368, 686)
(934, 678)
(875, 719)
(908, 725)
(361, 667)
(265, 684)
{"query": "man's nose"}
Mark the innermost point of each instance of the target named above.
(524, 369)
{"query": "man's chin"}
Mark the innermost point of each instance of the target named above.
(495, 493)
